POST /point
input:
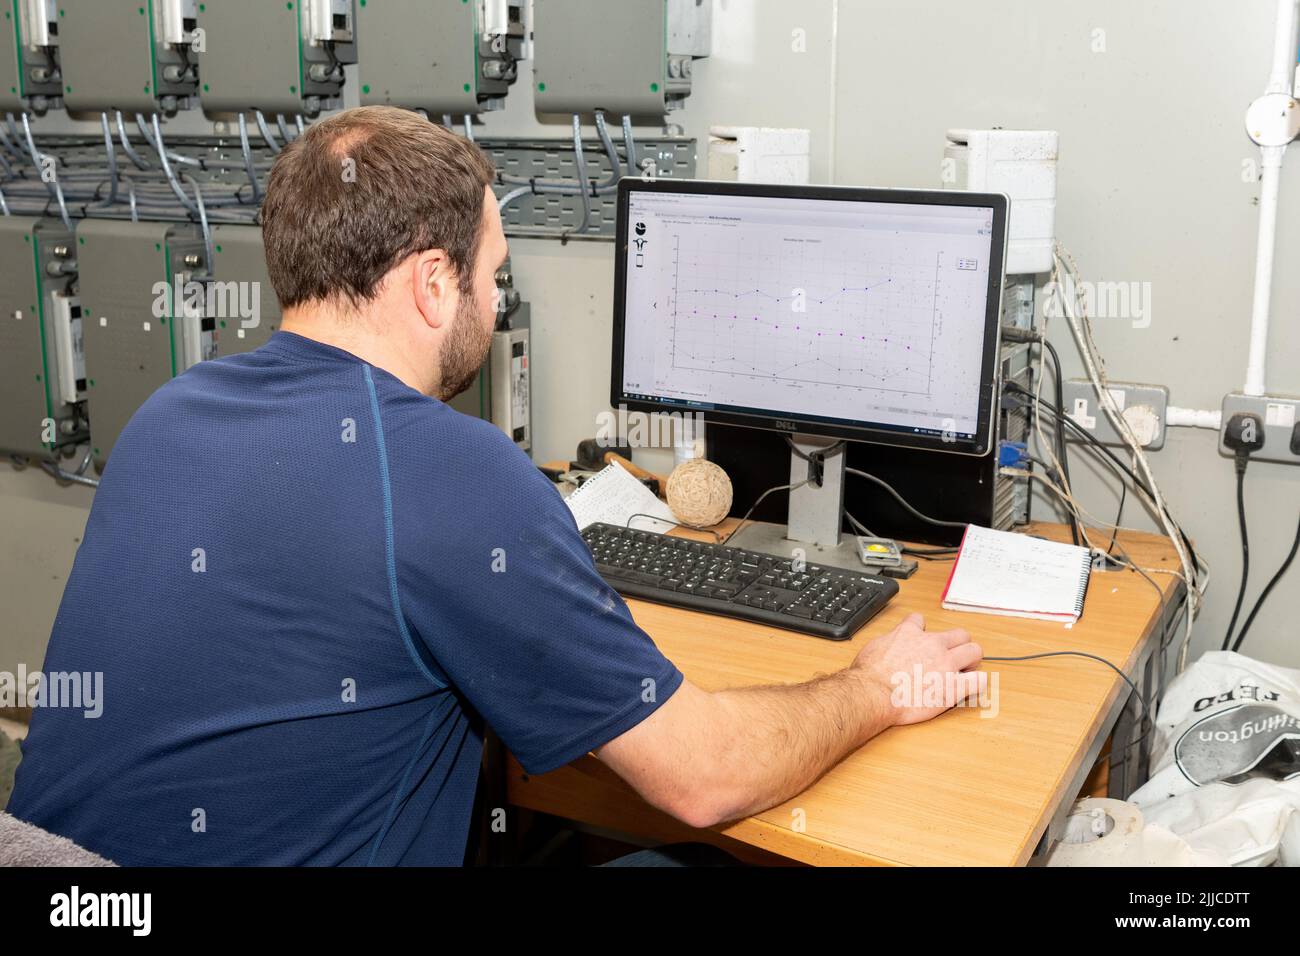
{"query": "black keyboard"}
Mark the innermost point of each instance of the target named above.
(813, 599)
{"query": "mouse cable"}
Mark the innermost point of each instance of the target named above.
(1146, 707)
(676, 524)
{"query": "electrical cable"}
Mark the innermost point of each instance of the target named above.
(511, 196)
(629, 146)
(1142, 718)
(7, 144)
(676, 524)
(859, 526)
(1119, 515)
(248, 159)
(266, 132)
(1146, 707)
(790, 487)
(126, 145)
(611, 152)
(1245, 550)
(1138, 481)
(160, 149)
(67, 477)
(1061, 449)
(13, 130)
(1081, 327)
(580, 164)
(55, 188)
(563, 187)
(4, 161)
(111, 151)
(207, 229)
(1259, 603)
(903, 501)
(174, 157)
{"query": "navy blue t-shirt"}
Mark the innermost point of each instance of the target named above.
(306, 586)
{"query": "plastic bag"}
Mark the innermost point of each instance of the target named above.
(1226, 761)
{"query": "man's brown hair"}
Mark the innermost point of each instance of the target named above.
(359, 192)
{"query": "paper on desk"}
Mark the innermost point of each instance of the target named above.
(614, 496)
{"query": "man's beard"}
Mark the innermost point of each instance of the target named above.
(463, 351)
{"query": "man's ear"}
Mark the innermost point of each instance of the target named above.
(433, 285)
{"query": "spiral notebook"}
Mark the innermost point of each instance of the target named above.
(615, 497)
(997, 572)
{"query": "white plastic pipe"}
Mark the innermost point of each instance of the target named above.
(1193, 417)
(1284, 47)
(1279, 81)
(1269, 174)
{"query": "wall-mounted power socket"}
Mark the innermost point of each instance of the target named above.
(1279, 417)
(1143, 407)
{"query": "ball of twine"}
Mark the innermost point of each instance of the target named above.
(699, 493)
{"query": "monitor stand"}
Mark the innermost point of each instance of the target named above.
(812, 529)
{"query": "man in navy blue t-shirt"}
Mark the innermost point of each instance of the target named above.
(308, 583)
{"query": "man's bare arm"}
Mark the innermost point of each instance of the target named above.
(708, 757)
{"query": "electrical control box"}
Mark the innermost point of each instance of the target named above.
(760, 154)
(510, 378)
(443, 58)
(69, 346)
(1022, 164)
(624, 58)
(501, 393)
(136, 56)
(279, 58)
(41, 377)
(245, 309)
(134, 302)
(29, 65)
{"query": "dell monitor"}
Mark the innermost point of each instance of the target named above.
(824, 312)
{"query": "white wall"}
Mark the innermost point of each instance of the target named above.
(1151, 190)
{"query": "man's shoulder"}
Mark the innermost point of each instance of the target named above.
(432, 449)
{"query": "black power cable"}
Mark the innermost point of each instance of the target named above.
(1295, 546)
(1245, 550)
(1028, 336)
(1119, 516)
(1061, 452)
(1243, 433)
(904, 502)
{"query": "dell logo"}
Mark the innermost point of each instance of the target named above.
(783, 425)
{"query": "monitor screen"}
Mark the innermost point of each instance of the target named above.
(868, 314)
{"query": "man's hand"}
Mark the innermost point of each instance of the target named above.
(707, 757)
(948, 657)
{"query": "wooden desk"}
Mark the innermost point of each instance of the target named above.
(961, 789)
